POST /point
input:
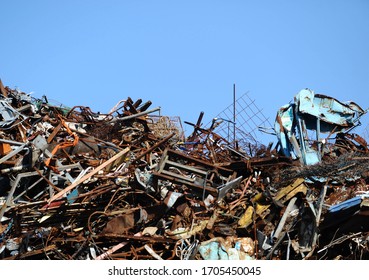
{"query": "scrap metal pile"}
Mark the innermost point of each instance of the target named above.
(77, 185)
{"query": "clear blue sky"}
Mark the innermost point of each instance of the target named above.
(185, 56)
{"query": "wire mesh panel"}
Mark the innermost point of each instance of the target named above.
(241, 121)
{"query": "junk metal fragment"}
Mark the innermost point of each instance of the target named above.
(128, 184)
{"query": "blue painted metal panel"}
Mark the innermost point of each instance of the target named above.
(316, 112)
(346, 204)
(327, 109)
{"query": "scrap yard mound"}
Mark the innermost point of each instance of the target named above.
(128, 184)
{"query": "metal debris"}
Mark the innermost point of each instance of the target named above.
(78, 185)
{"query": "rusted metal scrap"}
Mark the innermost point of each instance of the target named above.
(75, 184)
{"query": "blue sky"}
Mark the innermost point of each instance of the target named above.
(185, 56)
